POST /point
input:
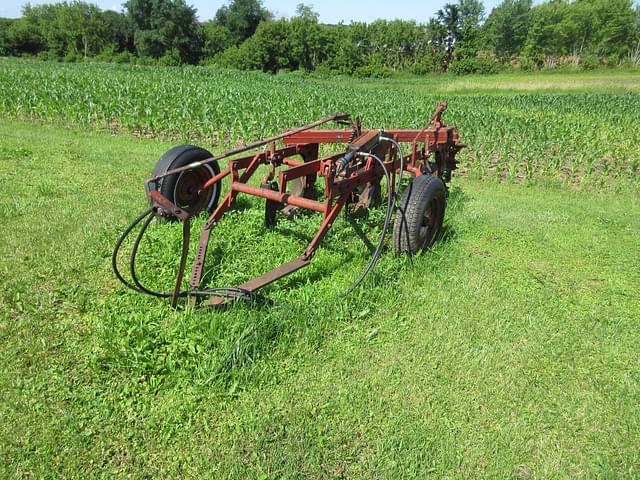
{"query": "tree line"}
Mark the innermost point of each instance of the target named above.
(461, 38)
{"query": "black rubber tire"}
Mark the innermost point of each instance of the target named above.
(420, 215)
(179, 157)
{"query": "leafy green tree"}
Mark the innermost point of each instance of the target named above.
(20, 37)
(216, 39)
(46, 21)
(241, 18)
(266, 50)
(459, 22)
(431, 58)
(602, 28)
(87, 30)
(449, 18)
(551, 30)
(507, 27)
(616, 31)
(121, 31)
(346, 47)
(393, 44)
(5, 46)
(305, 39)
(471, 14)
(470, 42)
(163, 27)
(68, 29)
(306, 11)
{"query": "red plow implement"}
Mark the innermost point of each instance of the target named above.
(187, 181)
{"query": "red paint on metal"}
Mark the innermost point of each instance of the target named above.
(432, 151)
(278, 197)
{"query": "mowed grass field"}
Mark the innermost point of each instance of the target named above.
(508, 351)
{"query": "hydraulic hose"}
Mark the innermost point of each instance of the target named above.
(398, 187)
(387, 220)
(397, 145)
(116, 249)
(132, 263)
(233, 293)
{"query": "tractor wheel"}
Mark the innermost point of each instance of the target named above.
(420, 215)
(182, 188)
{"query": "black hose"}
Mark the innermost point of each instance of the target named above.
(132, 264)
(378, 251)
(398, 187)
(116, 249)
(399, 148)
(232, 293)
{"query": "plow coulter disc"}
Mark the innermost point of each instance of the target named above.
(271, 208)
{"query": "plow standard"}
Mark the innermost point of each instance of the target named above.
(188, 180)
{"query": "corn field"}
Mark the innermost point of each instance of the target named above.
(577, 138)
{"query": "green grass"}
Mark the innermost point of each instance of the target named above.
(546, 81)
(509, 351)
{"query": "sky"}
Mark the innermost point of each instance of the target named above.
(331, 11)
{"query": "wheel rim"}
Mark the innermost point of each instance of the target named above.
(185, 192)
(429, 224)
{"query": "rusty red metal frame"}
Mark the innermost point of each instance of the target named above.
(432, 151)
